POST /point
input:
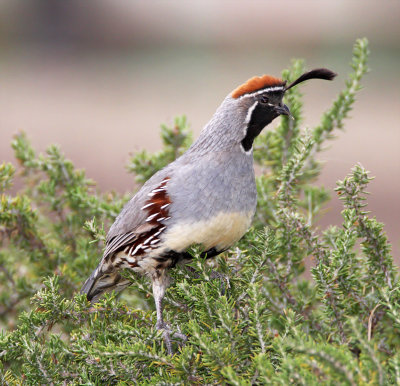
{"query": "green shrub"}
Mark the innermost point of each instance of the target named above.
(264, 323)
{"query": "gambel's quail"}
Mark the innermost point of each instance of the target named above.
(206, 197)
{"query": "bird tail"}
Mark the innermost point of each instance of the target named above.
(100, 282)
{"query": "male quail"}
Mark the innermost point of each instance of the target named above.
(207, 196)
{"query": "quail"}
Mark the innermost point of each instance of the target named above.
(205, 197)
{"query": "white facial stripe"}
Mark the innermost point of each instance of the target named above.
(249, 113)
(275, 88)
(247, 120)
(246, 125)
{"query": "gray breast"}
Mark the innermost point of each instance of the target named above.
(213, 183)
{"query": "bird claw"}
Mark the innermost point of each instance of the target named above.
(168, 335)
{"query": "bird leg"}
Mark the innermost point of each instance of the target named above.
(160, 283)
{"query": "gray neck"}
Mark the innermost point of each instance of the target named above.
(223, 132)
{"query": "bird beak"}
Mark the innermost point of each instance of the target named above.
(282, 110)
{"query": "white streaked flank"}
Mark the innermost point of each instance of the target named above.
(146, 206)
(136, 249)
(148, 239)
(158, 190)
(151, 217)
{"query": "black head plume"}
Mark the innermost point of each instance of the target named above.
(318, 73)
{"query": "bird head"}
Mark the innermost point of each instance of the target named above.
(260, 101)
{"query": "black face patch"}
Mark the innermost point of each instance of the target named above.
(262, 115)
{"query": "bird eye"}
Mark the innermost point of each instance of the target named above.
(264, 99)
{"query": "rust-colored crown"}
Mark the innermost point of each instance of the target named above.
(257, 83)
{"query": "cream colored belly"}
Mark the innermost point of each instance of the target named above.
(220, 232)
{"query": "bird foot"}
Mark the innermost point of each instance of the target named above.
(169, 334)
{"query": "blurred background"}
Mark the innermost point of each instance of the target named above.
(98, 78)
